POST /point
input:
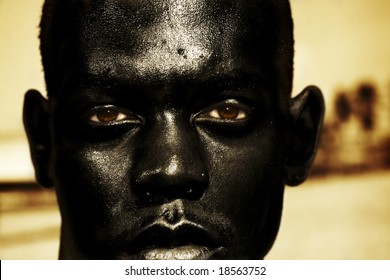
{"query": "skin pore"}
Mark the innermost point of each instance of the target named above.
(169, 134)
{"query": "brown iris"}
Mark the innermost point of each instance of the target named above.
(228, 112)
(107, 115)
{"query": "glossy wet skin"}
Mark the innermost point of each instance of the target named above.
(169, 132)
(171, 124)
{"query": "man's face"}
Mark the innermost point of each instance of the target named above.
(168, 133)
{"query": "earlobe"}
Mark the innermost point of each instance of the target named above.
(306, 114)
(36, 124)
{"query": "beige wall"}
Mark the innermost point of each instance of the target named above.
(19, 59)
(338, 43)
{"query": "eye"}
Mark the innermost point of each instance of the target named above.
(110, 115)
(229, 110)
(106, 115)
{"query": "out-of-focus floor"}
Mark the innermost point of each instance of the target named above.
(29, 224)
(338, 217)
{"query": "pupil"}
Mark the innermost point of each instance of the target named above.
(228, 112)
(107, 115)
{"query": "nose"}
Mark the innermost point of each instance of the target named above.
(170, 163)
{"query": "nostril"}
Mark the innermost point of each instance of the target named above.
(156, 187)
(176, 180)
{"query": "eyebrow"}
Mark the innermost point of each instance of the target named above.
(235, 78)
(106, 88)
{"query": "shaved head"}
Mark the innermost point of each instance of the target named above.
(169, 132)
(185, 33)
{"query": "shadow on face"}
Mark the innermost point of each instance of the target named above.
(168, 135)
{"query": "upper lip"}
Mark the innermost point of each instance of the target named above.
(160, 235)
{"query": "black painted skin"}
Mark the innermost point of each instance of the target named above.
(170, 167)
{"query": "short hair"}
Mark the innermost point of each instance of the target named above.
(62, 20)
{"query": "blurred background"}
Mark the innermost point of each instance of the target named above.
(341, 212)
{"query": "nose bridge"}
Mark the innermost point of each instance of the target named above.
(171, 162)
(175, 145)
(172, 139)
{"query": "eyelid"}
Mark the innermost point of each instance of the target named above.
(211, 112)
(124, 116)
(215, 114)
(121, 116)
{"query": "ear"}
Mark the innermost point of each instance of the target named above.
(36, 124)
(307, 115)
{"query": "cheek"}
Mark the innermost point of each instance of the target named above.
(92, 181)
(246, 174)
(243, 172)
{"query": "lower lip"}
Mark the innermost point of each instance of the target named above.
(188, 252)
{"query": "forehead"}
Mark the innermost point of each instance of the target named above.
(168, 39)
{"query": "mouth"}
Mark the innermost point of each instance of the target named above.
(188, 252)
(183, 241)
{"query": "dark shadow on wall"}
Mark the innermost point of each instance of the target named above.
(352, 139)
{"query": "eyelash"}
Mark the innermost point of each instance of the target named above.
(240, 112)
(227, 111)
(120, 116)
